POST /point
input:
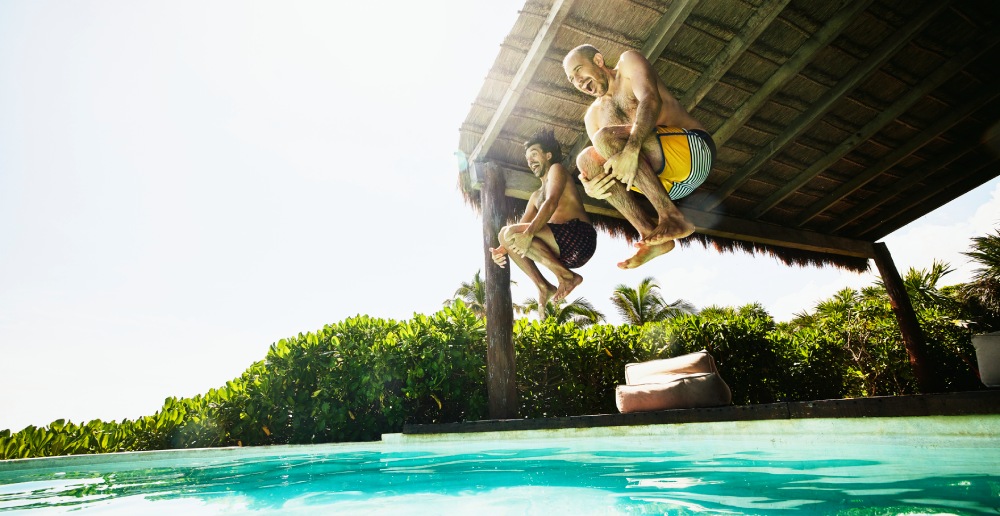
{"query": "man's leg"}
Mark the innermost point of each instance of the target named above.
(545, 251)
(591, 165)
(671, 224)
(545, 289)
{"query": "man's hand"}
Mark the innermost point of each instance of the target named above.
(598, 187)
(623, 166)
(499, 256)
(520, 242)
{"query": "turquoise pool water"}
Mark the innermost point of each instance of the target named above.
(943, 465)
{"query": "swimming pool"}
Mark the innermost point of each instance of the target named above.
(918, 465)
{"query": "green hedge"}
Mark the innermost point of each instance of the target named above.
(362, 377)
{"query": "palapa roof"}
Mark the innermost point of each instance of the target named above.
(837, 122)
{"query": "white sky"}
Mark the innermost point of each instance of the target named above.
(183, 183)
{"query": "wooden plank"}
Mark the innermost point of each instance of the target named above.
(890, 160)
(543, 40)
(501, 381)
(534, 115)
(664, 30)
(803, 56)
(904, 183)
(520, 185)
(759, 20)
(909, 327)
(807, 119)
(933, 81)
(919, 205)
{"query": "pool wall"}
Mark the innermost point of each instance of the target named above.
(984, 402)
(924, 431)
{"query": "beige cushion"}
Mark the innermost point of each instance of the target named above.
(694, 391)
(687, 381)
(667, 369)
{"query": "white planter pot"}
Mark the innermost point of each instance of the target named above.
(988, 355)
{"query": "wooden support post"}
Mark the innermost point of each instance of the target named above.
(913, 337)
(500, 378)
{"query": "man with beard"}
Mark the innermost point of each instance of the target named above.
(643, 137)
(555, 229)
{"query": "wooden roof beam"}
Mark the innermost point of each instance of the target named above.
(933, 81)
(752, 29)
(904, 183)
(808, 118)
(918, 206)
(890, 160)
(664, 30)
(534, 114)
(803, 56)
(520, 185)
(543, 40)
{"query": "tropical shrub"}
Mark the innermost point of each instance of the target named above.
(350, 381)
(563, 370)
(363, 377)
(751, 358)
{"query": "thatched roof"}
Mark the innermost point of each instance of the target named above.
(837, 122)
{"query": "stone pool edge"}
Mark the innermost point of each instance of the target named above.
(920, 405)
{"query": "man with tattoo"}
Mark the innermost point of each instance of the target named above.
(643, 140)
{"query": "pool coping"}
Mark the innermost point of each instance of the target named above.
(949, 404)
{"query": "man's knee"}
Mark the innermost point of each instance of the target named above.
(590, 163)
(608, 141)
(504, 235)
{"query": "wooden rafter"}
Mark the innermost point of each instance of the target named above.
(666, 28)
(919, 205)
(536, 115)
(904, 103)
(560, 9)
(809, 117)
(890, 160)
(803, 56)
(903, 184)
(752, 29)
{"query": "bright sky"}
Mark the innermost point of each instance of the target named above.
(183, 183)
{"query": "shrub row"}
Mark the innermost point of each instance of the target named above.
(362, 377)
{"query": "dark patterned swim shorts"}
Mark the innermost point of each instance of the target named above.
(577, 242)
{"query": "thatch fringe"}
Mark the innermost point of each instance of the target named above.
(620, 228)
(785, 255)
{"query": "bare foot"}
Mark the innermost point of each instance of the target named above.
(566, 286)
(544, 294)
(646, 253)
(670, 229)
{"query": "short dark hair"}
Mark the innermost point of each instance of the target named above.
(588, 51)
(546, 139)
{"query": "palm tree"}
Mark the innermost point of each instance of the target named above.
(580, 312)
(985, 284)
(473, 293)
(979, 299)
(922, 285)
(645, 304)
